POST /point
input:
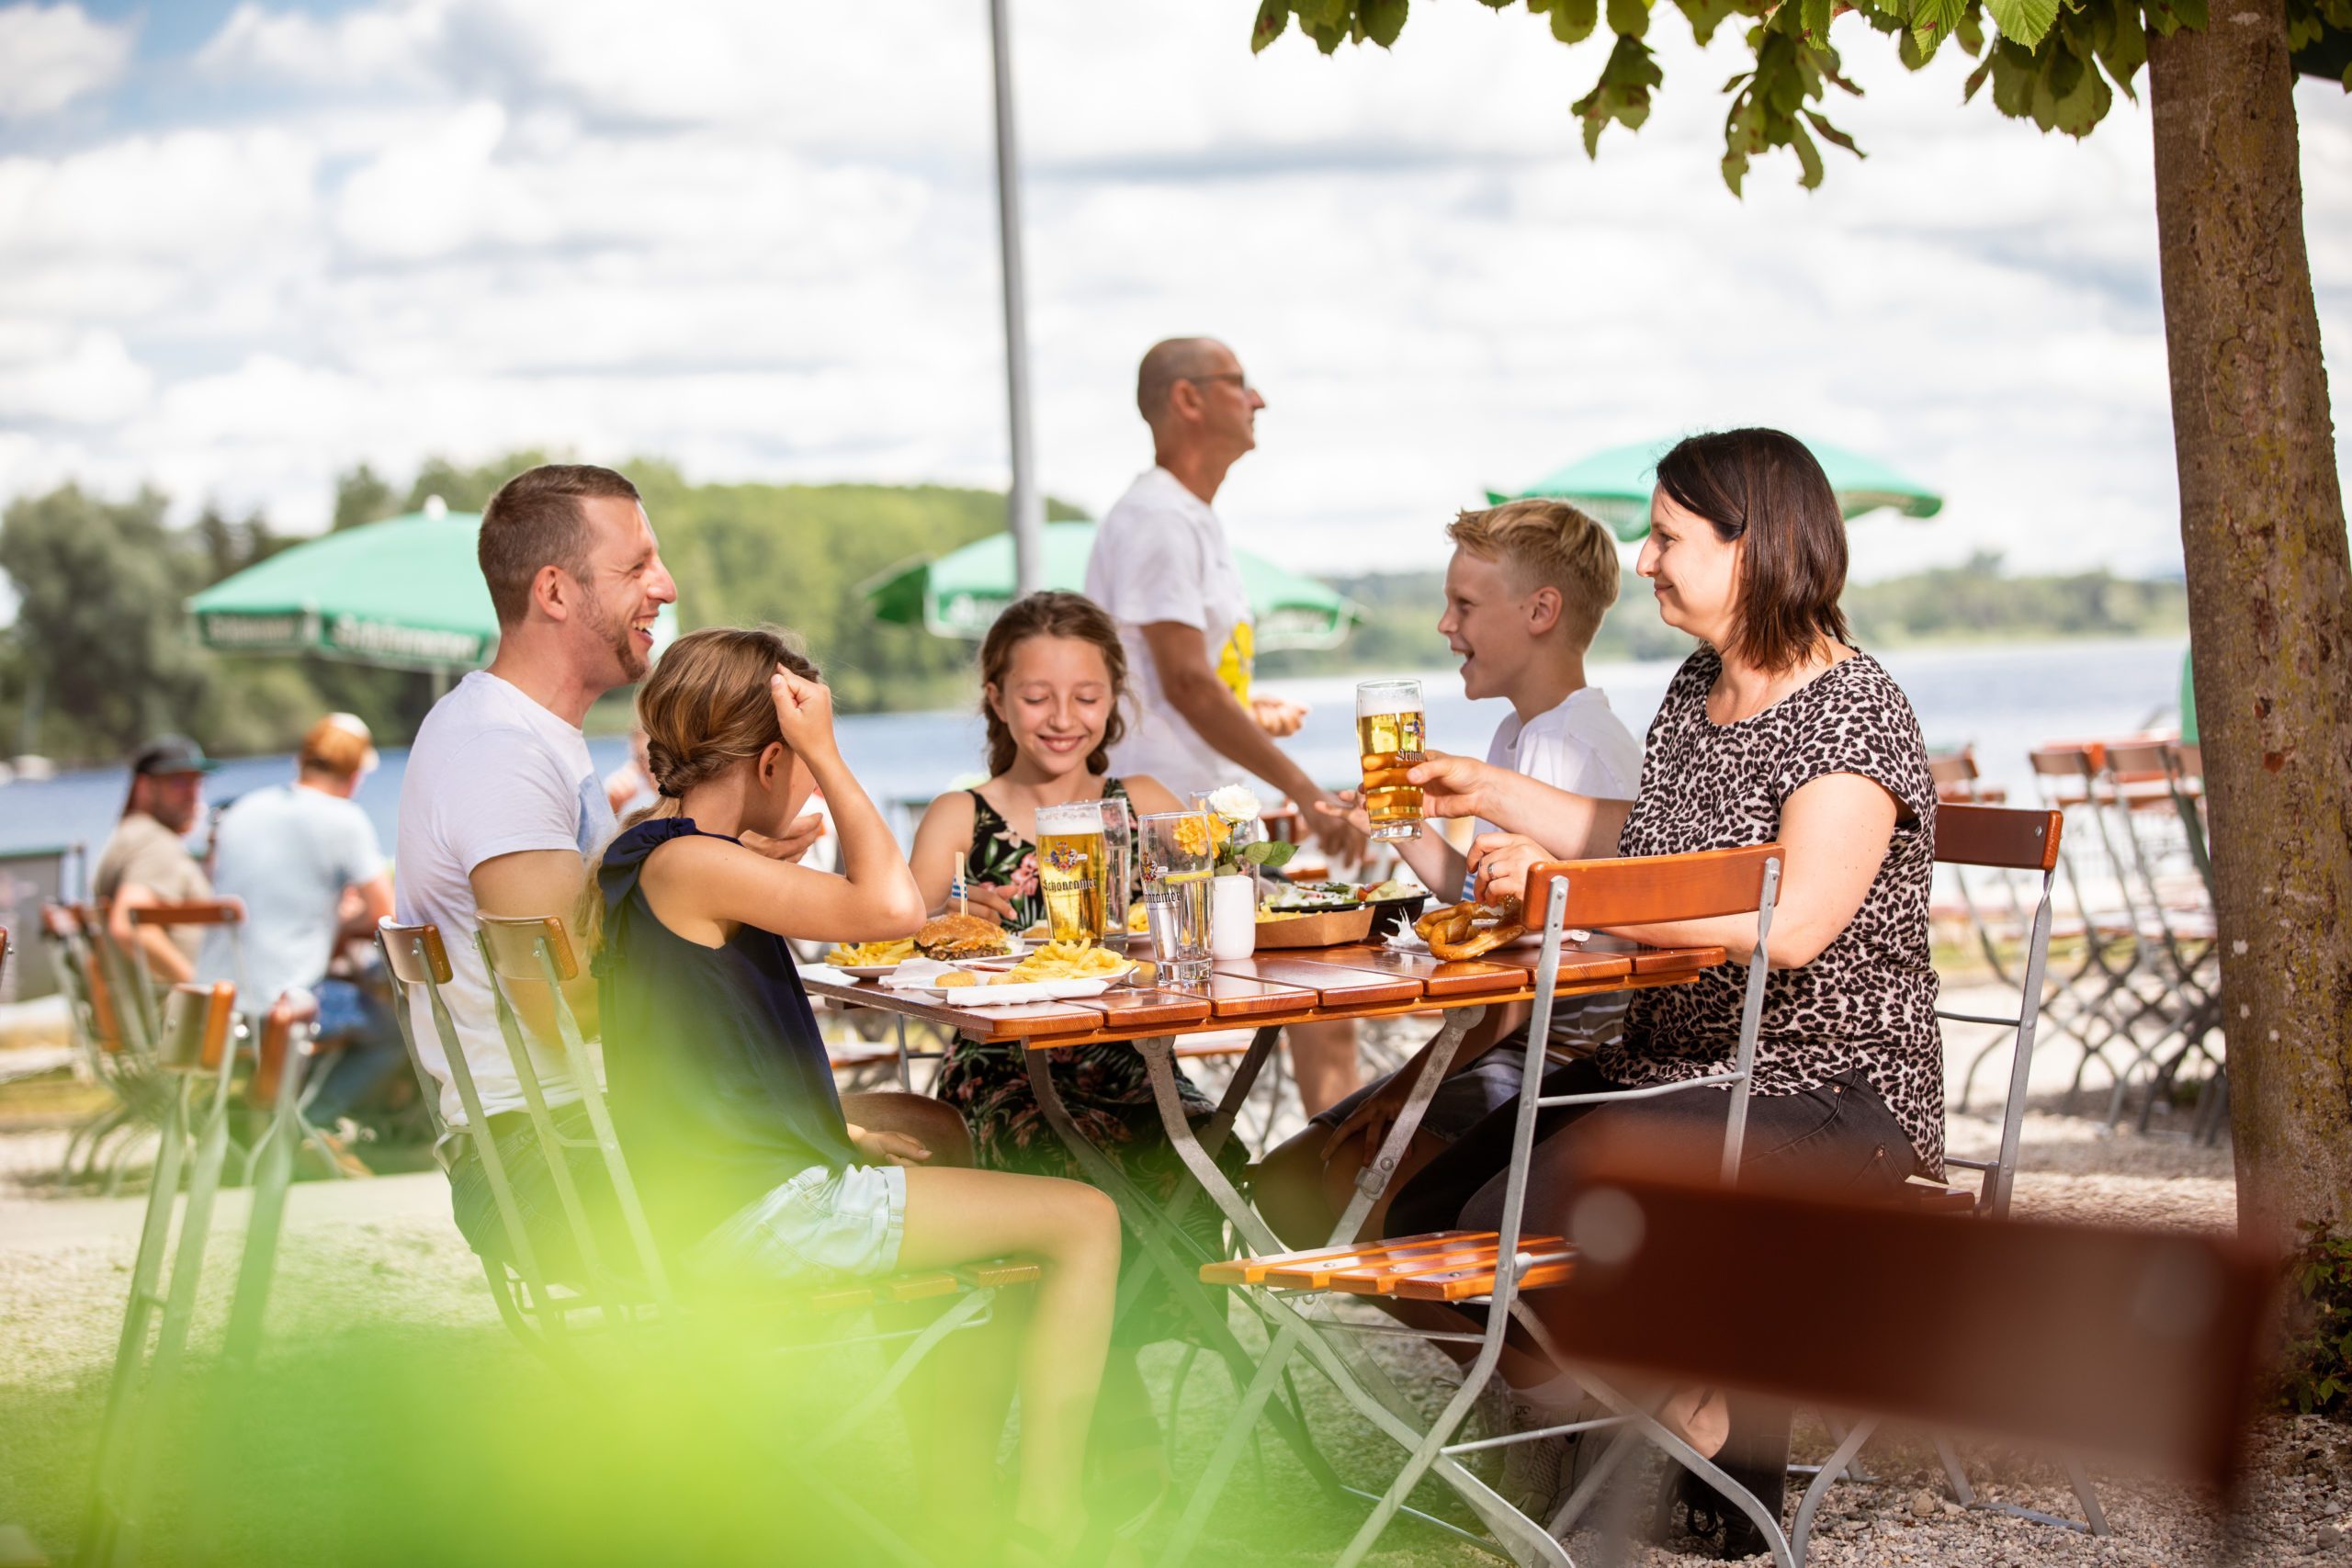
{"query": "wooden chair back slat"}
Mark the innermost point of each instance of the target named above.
(197, 1019)
(2133, 761)
(190, 912)
(514, 945)
(416, 953)
(275, 1044)
(1993, 835)
(1952, 767)
(2062, 761)
(1652, 889)
(59, 922)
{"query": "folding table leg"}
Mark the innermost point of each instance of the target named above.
(1159, 1240)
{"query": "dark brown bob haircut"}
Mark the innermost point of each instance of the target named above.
(536, 521)
(1764, 487)
(1052, 614)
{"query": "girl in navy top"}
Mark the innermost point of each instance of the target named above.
(724, 1103)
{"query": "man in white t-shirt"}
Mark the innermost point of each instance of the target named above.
(1524, 593)
(501, 805)
(1163, 570)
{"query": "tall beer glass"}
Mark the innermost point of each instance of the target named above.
(1070, 870)
(1178, 856)
(1391, 733)
(1118, 870)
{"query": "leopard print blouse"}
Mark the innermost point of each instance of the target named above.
(1868, 1001)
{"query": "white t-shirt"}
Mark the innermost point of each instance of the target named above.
(1160, 555)
(1581, 746)
(492, 772)
(289, 851)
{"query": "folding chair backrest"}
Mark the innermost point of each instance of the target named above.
(190, 912)
(198, 1021)
(419, 963)
(2008, 840)
(1954, 774)
(537, 950)
(1997, 836)
(2136, 762)
(1653, 889)
(284, 1032)
(89, 956)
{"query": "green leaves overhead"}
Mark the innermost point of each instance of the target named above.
(2056, 63)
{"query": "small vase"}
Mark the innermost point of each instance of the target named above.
(1233, 916)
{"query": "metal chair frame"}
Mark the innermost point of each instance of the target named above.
(2191, 960)
(2013, 841)
(1591, 894)
(115, 1047)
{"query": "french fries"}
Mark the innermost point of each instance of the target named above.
(866, 955)
(1063, 960)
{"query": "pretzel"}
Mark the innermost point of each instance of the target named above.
(1453, 931)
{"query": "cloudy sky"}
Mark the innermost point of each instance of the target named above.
(245, 245)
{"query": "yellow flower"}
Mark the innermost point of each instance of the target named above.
(1193, 835)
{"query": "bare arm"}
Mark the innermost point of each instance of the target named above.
(531, 883)
(1835, 829)
(1573, 826)
(166, 961)
(945, 828)
(1181, 656)
(693, 881)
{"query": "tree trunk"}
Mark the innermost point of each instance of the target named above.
(2270, 601)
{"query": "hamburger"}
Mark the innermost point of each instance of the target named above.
(961, 936)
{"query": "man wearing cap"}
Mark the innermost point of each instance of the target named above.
(295, 853)
(146, 861)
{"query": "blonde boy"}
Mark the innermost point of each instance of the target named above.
(1525, 594)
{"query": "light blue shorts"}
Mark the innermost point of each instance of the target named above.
(821, 1226)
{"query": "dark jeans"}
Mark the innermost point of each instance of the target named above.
(1838, 1138)
(370, 1050)
(474, 1203)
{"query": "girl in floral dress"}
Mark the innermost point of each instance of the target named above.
(1053, 676)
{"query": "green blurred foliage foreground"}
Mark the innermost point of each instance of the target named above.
(102, 653)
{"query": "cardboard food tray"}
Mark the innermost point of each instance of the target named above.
(1328, 928)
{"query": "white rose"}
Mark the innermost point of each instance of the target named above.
(1235, 803)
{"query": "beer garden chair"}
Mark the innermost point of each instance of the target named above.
(637, 1292)
(2163, 832)
(115, 1046)
(1495, 1269)
(2102, 1002)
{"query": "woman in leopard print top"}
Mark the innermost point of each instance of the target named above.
(1776, 728)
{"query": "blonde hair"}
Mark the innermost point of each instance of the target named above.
(1543, 543)
(707, 707)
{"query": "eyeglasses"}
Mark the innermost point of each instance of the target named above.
(1235, 376)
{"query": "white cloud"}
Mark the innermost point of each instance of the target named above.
(760, 241)
(52, 55)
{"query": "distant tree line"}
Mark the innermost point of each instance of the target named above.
(102, 653)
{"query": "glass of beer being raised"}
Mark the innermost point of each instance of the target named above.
(1073, 872)
(1391, 732)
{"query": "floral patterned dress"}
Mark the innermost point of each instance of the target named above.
(1105, 1088)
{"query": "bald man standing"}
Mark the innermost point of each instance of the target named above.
(1163, 568)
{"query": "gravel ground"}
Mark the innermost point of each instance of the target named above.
(380, 1323)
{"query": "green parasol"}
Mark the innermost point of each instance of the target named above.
(1615, 485)
(961, 593)
(405, 593)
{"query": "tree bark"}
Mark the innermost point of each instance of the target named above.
(2270, 601)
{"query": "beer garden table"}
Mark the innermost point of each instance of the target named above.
(1266, 993)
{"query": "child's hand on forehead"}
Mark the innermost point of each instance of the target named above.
(804, 710)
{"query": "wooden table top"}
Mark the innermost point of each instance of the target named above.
(1297, 986)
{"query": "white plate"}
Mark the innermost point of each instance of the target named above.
(998, 965)
(1010, 996)
(883, 971)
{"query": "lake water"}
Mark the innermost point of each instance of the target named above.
(2005, 699)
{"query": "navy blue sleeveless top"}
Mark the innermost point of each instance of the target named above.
(719, 1080)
